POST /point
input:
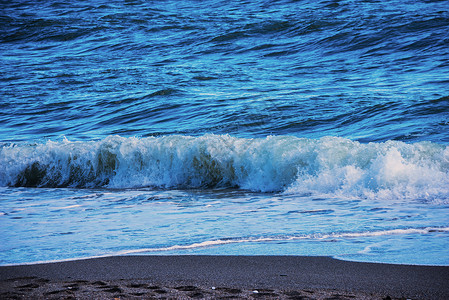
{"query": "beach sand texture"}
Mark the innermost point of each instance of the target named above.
(222, 277)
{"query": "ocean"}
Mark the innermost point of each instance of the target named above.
(316, 128)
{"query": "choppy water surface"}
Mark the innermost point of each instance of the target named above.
(224, 127)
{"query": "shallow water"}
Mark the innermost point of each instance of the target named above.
(262, 127)
(58, 224)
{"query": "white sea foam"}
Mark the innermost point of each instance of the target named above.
(330, 166)
(317, 236)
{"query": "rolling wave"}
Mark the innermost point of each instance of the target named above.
(331, 166)
(248, 68)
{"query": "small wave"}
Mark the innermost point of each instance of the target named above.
(318, 236)
(331, 166)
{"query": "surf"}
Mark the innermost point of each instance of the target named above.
(330, 166)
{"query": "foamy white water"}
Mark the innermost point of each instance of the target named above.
(409, 231)
(331, 166)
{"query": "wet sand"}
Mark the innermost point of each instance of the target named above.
(222, 277)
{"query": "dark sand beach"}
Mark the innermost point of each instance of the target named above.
(222, 277)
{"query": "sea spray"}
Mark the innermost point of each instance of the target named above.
(330, 165)
(377, 170)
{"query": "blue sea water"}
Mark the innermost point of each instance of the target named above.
(224, 127)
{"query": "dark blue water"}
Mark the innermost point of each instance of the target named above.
(365, 70)
(244, 127)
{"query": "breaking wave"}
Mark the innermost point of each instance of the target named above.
(332, 166)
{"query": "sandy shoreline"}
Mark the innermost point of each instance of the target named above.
(230, 277)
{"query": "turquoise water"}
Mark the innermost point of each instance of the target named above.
(262, 127)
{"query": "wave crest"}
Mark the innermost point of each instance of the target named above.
(331, 166)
